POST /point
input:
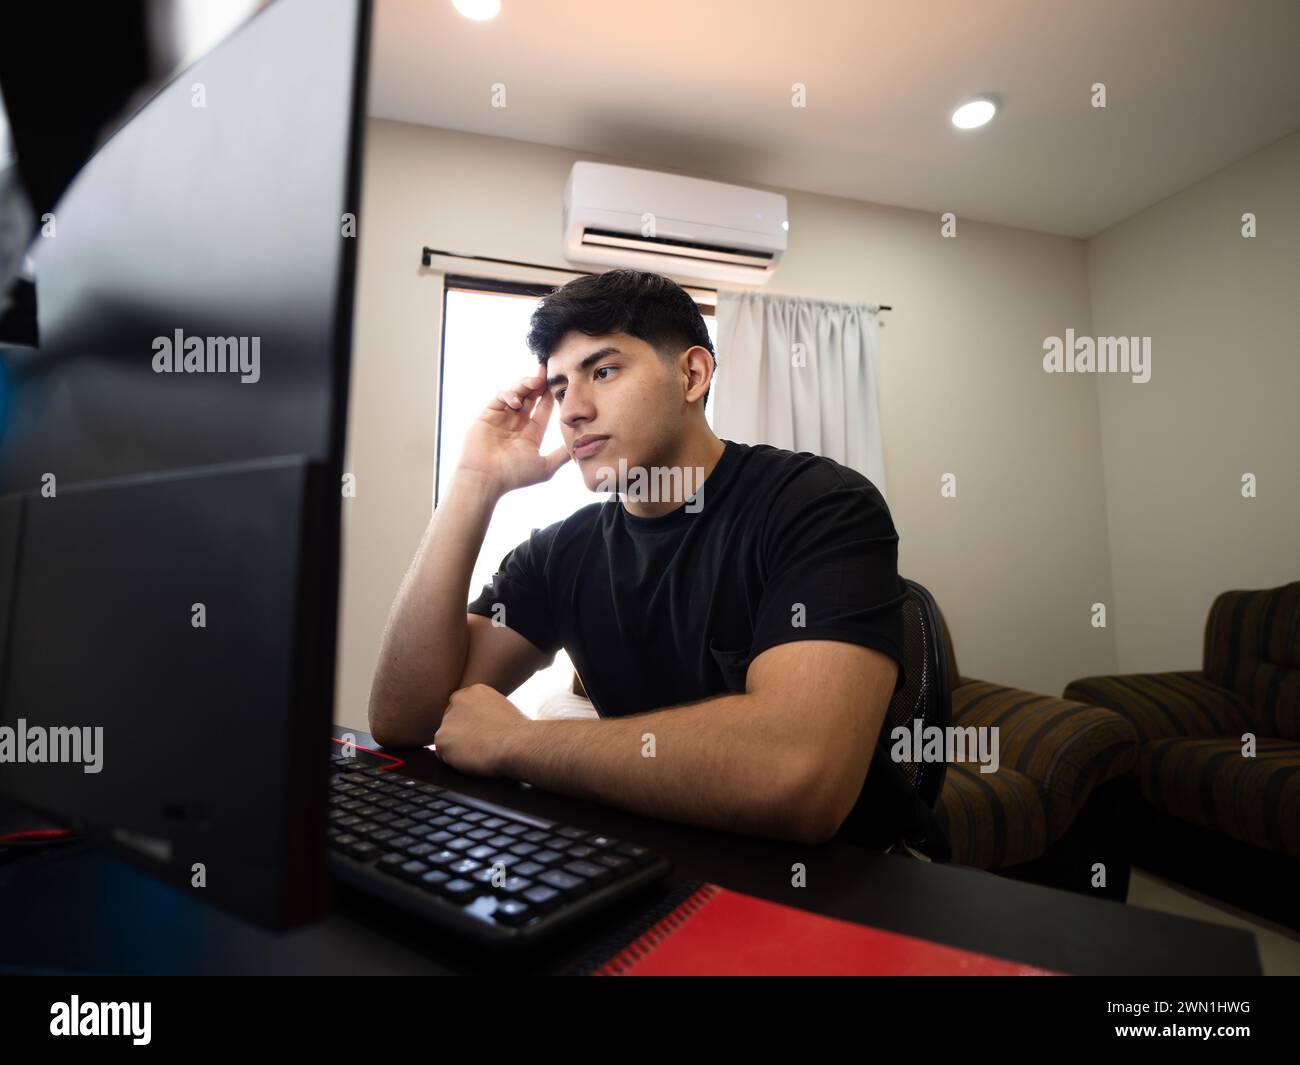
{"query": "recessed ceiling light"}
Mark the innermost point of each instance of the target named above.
(478, 10)
(973, 114)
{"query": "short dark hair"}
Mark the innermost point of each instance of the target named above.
(647, 306)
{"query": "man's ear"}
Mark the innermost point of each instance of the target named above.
(696, 365)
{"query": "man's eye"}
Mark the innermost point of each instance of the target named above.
(602, 369)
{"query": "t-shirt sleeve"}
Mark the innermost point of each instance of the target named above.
(517, 595)
(830, 560)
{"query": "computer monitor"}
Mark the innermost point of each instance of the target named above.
(170, 463)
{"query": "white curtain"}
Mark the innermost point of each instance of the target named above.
(801, 375)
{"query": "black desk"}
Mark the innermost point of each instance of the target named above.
(75, 910)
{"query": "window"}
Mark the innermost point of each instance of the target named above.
(484, 351)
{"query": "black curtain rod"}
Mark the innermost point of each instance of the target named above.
(427, 254)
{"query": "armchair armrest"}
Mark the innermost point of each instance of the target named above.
(1067, 748)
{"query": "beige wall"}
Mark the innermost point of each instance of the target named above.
(1222, 312)
(1015, 560)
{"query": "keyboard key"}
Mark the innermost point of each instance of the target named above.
(413, 870)
(580, 851)
(604, 842)
(460, 890)
(570, 833)
(543, 898)
(529, 868)
(566, 882)
(536, 836)
(523, 849)
(600, 874)
(392, 863)
(640, 855)
(547, 857)
(463, 867)
(481, 851)
(512, 912)
(434, 879)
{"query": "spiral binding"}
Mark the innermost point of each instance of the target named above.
(644, 945)
(614, 945)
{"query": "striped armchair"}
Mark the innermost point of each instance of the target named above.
(1050, 812)
(1196, 777)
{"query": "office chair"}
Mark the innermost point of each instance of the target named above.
(925, 697)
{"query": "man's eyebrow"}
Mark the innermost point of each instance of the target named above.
(595, 356)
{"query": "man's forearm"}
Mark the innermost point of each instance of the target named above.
(422, 656)
(712, 763)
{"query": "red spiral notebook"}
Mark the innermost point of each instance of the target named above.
(717, 932)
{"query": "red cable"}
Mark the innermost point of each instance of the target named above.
(33, 834)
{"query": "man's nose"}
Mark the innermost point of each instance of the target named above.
(576, 407)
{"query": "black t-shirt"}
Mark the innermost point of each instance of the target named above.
(776, 547)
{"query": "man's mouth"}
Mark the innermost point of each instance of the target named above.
(586, 446)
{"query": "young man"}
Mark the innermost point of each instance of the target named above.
(736, 621)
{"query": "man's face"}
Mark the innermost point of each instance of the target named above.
(616, 398)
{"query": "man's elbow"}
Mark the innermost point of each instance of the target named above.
(815, 810)
(388, 736)
(391, 727)
(816, 827)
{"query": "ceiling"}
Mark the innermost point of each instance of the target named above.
(704, 86)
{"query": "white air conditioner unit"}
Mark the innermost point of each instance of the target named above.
(622, 216)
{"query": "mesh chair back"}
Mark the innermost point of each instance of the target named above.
(926, 694)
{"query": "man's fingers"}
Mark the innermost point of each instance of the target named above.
(516, 398)
(542, 408)
(555, 460)
(532, 399)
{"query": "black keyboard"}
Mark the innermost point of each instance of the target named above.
(487, 872)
